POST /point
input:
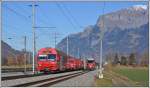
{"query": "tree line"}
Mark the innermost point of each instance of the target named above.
(132, 59)
(17, 60)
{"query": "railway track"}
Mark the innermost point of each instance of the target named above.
(26, 76)
(49, 81)
(7, 70)
(21, 76)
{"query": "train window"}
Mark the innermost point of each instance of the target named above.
(51, 57)
(43, 57)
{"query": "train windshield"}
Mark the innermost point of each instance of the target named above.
(51, 57)
(42, 57)
(90, 61)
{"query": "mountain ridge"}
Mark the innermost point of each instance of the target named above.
(122, 29)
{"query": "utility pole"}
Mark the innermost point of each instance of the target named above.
(0, 33)
(84, 60)
(67, 46)
(43, 27)
(33, 32)
(100, 63)
(55, 38)
(100, 74)
(29, 58)
(25, 56)
(89, 54)
(78, 53)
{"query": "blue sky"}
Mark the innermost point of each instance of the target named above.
(66, 17)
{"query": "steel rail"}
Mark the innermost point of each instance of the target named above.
(50, 79)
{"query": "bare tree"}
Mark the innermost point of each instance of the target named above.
(10, 60)
(145, 59)
(132, 59)
(116, 59)
(123, 60)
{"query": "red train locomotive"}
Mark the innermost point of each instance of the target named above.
(50, 59)
(53, 60)
(91, 64)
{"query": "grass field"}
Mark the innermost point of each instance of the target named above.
(139, 75)
(105, 82)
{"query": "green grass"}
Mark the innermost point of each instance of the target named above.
(138, 75)
(105, 82)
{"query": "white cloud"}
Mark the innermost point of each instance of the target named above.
(140, 7)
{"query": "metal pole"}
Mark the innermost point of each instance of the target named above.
(89, 45)
(100, 54)
(78, 53)
(67, 46)
(0, 33)
(55, 38)
(33, 29)
(100, 75)
(25, 69)
(84, 63)
(29, 58)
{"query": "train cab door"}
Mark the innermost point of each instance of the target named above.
(61, 63)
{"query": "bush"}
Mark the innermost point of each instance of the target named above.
(132, 60)
(116, 59)
(123, 60)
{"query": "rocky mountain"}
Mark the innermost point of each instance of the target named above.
(8, 51)
(125, 31)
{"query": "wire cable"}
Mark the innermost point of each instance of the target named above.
(45, 17)
(69, 12)
(59, 6)
(17, 13)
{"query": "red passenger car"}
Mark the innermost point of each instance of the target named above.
(71, 65)
(79, 64)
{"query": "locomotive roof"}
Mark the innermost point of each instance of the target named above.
(90, 58)
(42, 55)
(42, 50)
(54, 50)
(46, 50)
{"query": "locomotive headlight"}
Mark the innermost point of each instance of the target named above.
(39, 65)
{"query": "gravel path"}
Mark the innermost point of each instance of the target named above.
(85, 80)
(7, 83)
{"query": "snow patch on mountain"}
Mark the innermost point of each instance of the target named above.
(139, 7)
